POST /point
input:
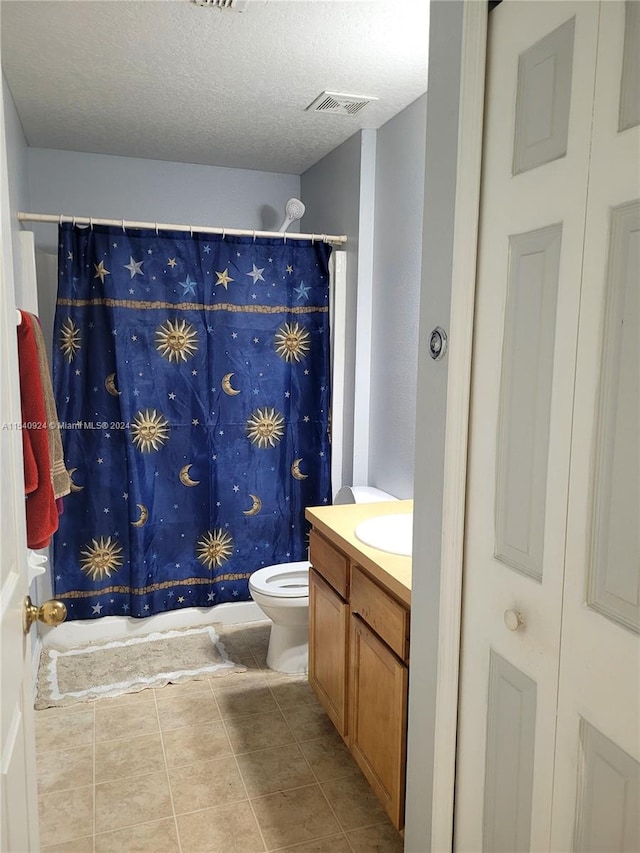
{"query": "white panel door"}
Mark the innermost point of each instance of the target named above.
(598, 738)
(540, 79)
(18, 795)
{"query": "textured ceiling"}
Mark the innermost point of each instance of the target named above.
(171, 80)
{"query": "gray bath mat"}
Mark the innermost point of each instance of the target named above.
(113, 667)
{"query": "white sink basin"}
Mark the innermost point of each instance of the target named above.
(392, 533)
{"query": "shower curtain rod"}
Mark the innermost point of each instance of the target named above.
(204, 229)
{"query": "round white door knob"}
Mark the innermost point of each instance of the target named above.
(513, 619)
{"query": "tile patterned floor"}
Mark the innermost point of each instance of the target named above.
(240, 764)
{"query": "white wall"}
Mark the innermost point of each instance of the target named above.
(18, 180)
(397, 263)
(445, 46)
(99, 185)
(331, 193)
(154, 190)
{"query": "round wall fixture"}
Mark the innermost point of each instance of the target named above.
(437, 343)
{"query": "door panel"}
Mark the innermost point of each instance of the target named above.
(608, 795)
(599, 683)
(613, 561)
(525, 398)
(543, 100)
(525, 330)
(511, 722)
(18, 793)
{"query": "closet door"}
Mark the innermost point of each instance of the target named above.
(18, 789)
(597, 791)
(539, 98)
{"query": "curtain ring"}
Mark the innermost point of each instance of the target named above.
(284, 237)
(123, 231)
(254, 236)
(60, 219)
(73, 222)
(156, 229)
(191, 230)
(313, 239)
(224, 233)
(91, 222)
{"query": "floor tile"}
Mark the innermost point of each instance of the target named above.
(185, 688)
(329, 757)
(118, 759)
(291, 817)
(244, 698)
(252, 678)
(145, 695)
(354, 802)
(157, 837)
(289, 692)
(78, 845)
(271, 770)
(226, 829)
(308, 722)
(194, 709)
(56, 729)
(334, 844)
(126, 802)
(126, 721)
(65, 815)
(65, 768)
(196, 743)
(383, 838)
(259, 731)
(208, 783)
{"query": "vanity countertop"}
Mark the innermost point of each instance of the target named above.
(338, 524)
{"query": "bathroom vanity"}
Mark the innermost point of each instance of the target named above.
(359, 612)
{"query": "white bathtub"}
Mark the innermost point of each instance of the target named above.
(81, 631)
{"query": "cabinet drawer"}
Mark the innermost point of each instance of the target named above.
(384, 614)
(329, 562)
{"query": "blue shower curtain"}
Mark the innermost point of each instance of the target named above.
(191, 375)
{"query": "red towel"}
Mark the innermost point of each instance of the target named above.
(42, 515)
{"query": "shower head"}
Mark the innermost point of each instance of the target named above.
(293, 210)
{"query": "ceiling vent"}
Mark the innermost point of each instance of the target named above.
(235, 5)
(338, 103)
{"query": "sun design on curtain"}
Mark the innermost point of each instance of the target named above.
(192, 381)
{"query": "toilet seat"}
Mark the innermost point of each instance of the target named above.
(285, 580)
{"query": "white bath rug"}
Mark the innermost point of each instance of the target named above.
(96, 670)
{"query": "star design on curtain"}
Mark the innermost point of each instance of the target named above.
(101, 271)
(134, 267)
(256, 274)
(224, 278)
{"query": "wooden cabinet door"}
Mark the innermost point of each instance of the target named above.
(378, 717)
(328, 649)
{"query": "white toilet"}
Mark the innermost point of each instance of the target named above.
(282, 593)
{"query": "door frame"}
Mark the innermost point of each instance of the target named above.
(463, 292)
(431, 776)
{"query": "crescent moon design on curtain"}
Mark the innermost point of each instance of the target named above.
(184, 477)
(296, 472)
(144, 515)
(110, 385)
(74, 486)
(226, 385)
(256, 506)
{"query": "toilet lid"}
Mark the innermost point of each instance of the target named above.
(289, 580)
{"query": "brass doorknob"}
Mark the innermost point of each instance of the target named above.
(51, 613)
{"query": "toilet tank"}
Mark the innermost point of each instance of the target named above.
(361, 495)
